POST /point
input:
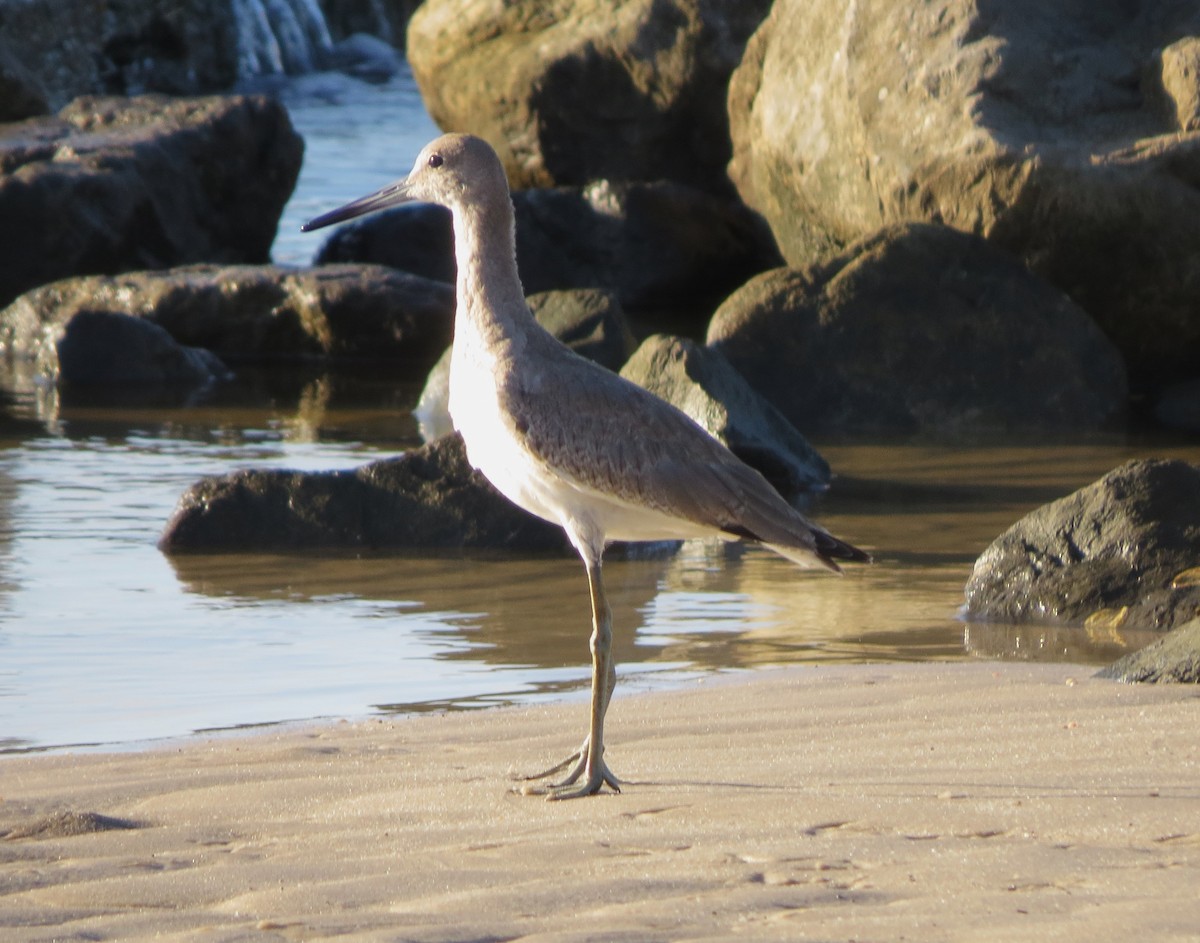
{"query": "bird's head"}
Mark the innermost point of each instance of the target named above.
(454, 170)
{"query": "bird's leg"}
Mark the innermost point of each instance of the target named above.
(577, 760)
(591, 754)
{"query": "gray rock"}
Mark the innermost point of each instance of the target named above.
(366, 57)
(568, 93)
(113, 185)
(1178, 406)
(255, 313)
(700, 381)
(100, 348)
(588, 320)
(920, 329)
(427, 498)
(21, 94)
(1031, 125)
(1173, 658)
(1123, 551)
(80, 47)
(662, 247)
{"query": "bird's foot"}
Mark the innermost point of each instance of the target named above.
(598, 776)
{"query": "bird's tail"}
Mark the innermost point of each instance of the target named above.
(826, 551)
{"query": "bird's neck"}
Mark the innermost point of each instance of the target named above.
(491, 303)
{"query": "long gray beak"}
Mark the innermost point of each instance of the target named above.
(391, 195)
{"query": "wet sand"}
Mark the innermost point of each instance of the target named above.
(960, 802)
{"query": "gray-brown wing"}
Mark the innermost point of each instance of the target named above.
(612, 436)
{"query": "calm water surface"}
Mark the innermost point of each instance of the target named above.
(103, 640)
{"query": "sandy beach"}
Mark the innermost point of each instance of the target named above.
(957, 802)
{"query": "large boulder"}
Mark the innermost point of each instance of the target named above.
(115, 184)
(920, 329)
(662, 247)
(250, 312)
(1122, 551)
(427, 498)
(81, 47)
(1065, 133)
(699, 381)
(571, 92)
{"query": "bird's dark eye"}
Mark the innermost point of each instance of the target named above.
(435, 160)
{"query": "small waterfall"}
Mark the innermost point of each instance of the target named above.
(277, 37)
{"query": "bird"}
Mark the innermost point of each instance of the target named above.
(567, 439)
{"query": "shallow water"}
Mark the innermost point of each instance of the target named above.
(103, 640)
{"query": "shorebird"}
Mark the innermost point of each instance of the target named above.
(568, 440)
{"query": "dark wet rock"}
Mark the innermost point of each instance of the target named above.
(114, 184)
(662, 247)
(1175, 658)
(413, 237)
(920, 329)
(366, 57)
(568, 93)
(100, 348)
(387, 21)
(700, 381)
(68, 825)
(1179, 406)
(1056, 132)
(246, 312)
(427, 498)
(21, 94)
(1123, 551)
(588, 320)
(80, 47)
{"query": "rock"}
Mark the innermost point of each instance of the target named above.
(1179, 406)
(80, 47)
(574, 92)
(588, 320)
(1175, 73)
(700, 381)
(427, 498)
(387, 21)
(1173, 658)
(1028, 125)
(413, 237)
(1123, 551)
(21, 94)
(113, 185)
(366, 57)
(101, 348)
(255, 313)
(662, 247)
(920, 329)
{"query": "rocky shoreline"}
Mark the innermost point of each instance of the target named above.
(983, 222)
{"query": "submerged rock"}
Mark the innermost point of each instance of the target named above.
(920, 329)
(427, 498)
(700, 381)
(1123, 551)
